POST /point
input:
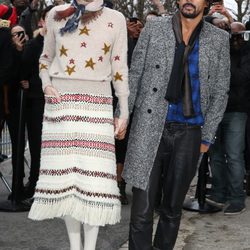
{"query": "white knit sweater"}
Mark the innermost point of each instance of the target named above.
(96, 51)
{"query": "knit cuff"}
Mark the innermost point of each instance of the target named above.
(123, 104)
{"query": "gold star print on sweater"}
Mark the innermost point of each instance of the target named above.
(63, 51)
(85, 31)
(118, 77)
(106, 48)
(90, 63)
(70, 70)
(43, 66)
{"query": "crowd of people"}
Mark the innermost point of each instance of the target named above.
(110, 100)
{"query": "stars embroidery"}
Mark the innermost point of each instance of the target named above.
(117, 58)
(83, 44)
(63, 51)
(90, 63)
(72, 61)
(100, 59)
(70, 70)
(85, 31)
(110, 25)
(106, 48)
(43, 66)
(118, 77)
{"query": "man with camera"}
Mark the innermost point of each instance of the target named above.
(179, 79)
(227, 154)
(7, 18)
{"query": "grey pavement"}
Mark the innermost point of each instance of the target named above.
(197, 232)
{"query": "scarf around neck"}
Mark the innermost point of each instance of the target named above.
(73, 22)
(179, 85)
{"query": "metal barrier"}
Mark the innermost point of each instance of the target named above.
(5, 143)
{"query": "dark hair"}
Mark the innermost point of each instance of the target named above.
(108, 4)
(12, 1)
(247, 25)
(16, 25)
(133, 19)
(152, 12)
(46, 10)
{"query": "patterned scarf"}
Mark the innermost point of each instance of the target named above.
(73, 22)
(179, 84)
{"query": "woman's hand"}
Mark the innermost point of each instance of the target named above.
(120, 128)
(25, 84)
(19, 42)
(51, 91)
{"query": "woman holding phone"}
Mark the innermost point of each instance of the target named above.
(14, 86)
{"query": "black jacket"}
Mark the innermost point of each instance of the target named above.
(5, 54)
(239, 94)
(30, 65)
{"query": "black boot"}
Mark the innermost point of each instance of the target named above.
(122, 187)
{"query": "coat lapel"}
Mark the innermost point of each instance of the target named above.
(169, 39)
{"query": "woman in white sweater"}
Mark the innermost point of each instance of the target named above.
(85, 49)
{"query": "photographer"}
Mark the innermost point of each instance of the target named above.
(18, 37)
(34, 107)
(7, 18)
(227, 154)
(218, 10)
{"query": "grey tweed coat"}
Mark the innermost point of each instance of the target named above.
(151, 67)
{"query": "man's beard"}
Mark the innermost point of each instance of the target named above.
(191, 15)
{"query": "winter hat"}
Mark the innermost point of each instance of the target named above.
(8, 13)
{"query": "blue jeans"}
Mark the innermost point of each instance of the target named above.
(227, 159)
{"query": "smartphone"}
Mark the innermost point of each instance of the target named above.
(21, 34)
(217, 2)
(133, 19)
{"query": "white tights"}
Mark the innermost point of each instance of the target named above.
(74, 232)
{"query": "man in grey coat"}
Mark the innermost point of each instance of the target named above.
(179, 80)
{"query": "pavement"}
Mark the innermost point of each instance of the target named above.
(198, 231)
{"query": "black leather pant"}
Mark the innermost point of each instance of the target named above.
(175, 163)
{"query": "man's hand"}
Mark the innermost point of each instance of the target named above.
(51, 91)
(134, 29)
(222, 10)
(158, 4)
(204, 148)
(220, 23)
(25, 84)
(120, 128)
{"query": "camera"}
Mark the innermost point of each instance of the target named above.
(21, 34)
(216, 2)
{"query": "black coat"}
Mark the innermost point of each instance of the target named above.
(239, 93)
(30, 66)
(5, 54)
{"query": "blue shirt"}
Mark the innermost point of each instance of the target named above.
(175, 112)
